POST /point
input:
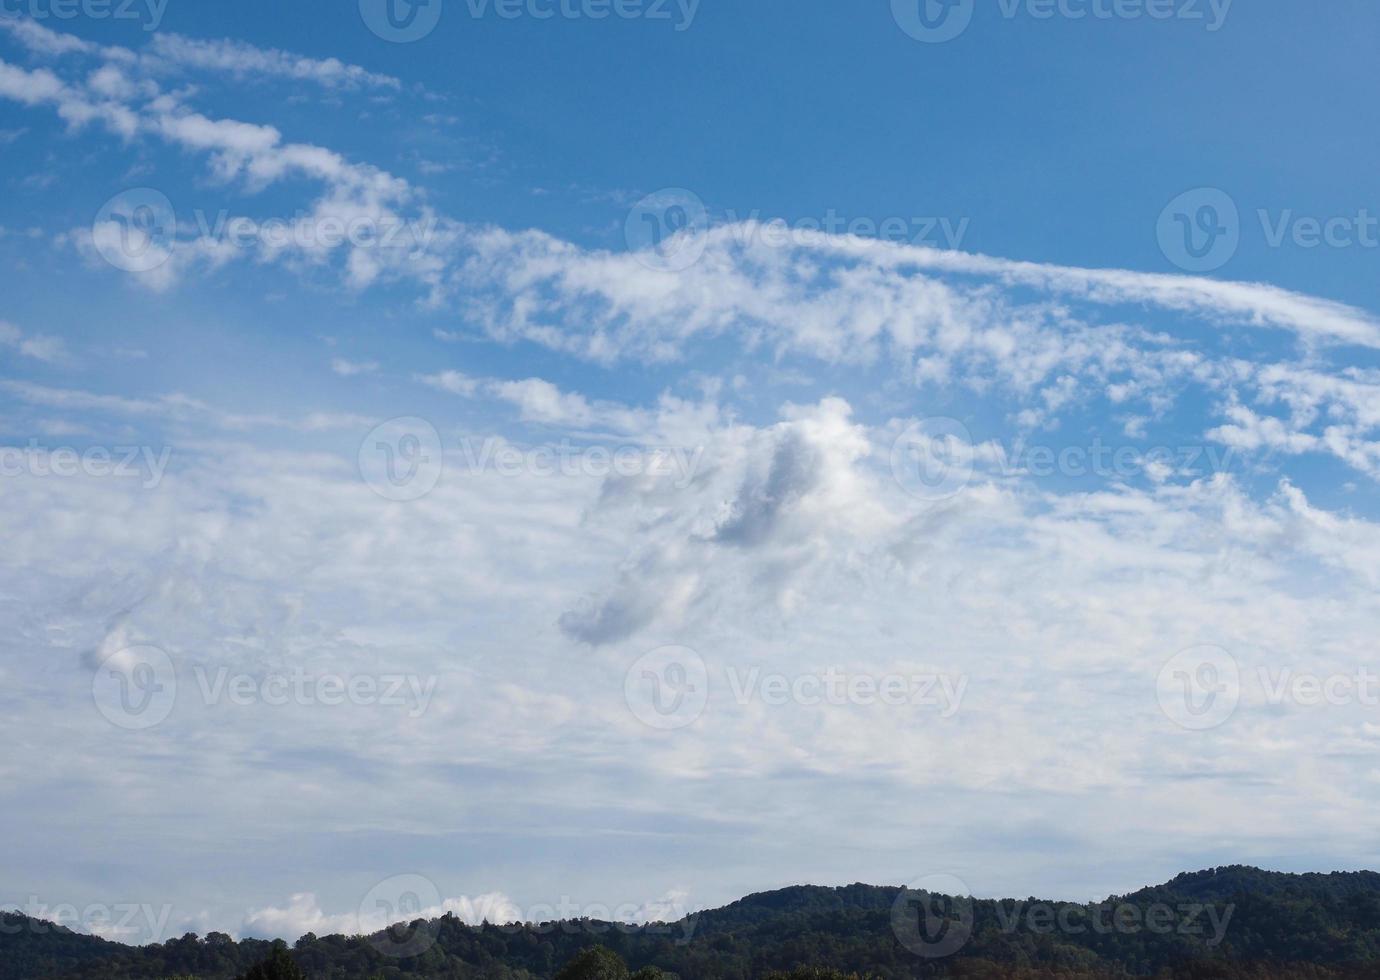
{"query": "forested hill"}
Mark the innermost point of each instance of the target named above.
(1233, 922)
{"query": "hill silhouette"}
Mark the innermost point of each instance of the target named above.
(1225, 923)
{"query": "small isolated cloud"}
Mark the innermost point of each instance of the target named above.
(350, 369)
(451, 381)
(50, 350)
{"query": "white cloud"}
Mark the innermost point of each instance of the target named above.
(41, 348)
(451, 381)
(241, 60)
(350, 369)
(787, 545)
(168, 52)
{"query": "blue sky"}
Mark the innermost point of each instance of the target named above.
(1007, 442)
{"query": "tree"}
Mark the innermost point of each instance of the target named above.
(595, 963)
(278, 966)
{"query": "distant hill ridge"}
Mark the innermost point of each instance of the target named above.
(1315, 925)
